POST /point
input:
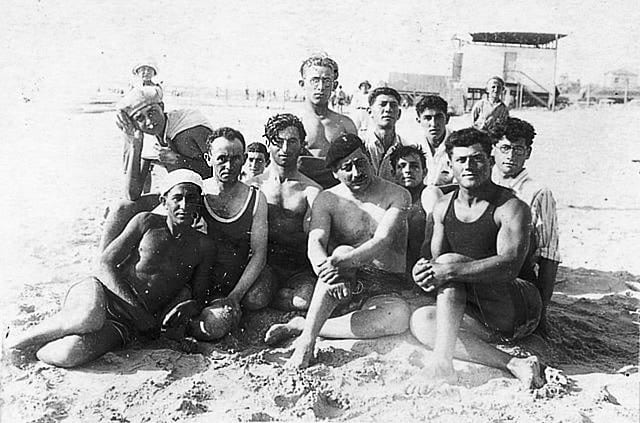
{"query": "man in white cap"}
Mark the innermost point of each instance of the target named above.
(138, 281)
(144, 71)
(180, 143)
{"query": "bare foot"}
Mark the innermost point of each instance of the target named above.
(279, 332)
(302, 355)
(527, 370)
(431, 377)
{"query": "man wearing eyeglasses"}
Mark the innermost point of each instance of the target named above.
(357, 247)
(433, 118)
(319, 77)
(511, 150)
(290, 195)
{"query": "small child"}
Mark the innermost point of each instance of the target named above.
(491, 110)
(257, 159)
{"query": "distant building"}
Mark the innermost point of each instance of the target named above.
(525, 60)
(620, 79)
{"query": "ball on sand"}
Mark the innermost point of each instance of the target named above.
(220, 317)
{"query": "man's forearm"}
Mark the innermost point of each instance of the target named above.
(134, 173)
(251, 272)
(119, 287)
(489, 270)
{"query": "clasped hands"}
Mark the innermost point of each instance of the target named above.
(428, 275)
(336, 275)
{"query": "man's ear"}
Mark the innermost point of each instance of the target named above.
(526, 156)
(163, 199)
(301, 83)
(207, 157)
(161, 104)
(446, 118)
(335, 84)
(399, 113)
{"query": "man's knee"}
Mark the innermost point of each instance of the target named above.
(452, 258)
(392, 317)
(261, 292)
(84, 309)
(66, 352)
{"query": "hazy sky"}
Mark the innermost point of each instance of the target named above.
(69, 47)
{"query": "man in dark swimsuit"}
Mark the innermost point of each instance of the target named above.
(236, 218)
(480, 242)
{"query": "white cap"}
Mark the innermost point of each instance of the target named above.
(180, 176)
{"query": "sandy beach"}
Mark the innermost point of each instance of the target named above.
(62, 167)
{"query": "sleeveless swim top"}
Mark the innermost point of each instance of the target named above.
(473, 239)
(233, 238)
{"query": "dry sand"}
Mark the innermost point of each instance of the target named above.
(61, 169)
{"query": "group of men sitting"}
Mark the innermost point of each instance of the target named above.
(339, 224)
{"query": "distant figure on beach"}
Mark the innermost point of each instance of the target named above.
(491, 108)
(408, 165)
(319, 77)
(357, 247)
(140, 277)
(290, 196)
(511, 150)
(235, 216)
(432, 116)
(180, 142)
(380, 138)
(143, 73)
(479, 244)
(341, 98)
(256, 160)
(360, 104)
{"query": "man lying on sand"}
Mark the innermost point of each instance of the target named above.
(511, 150)
(319, 77)
(141, 273)
(357, 246)
(181, 142)
(290, 196)
(480, 241)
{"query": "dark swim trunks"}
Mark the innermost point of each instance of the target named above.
(510, 310)
(119, 319)
(372, 282)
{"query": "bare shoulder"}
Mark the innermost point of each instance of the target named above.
(429, 197)
(440, 208)
(509, 206)
(343, 121)
(394, 191)
(256, 181)
(147, 220)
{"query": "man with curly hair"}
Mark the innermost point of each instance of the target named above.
(318, 78)
(511, 150)
(290, 195)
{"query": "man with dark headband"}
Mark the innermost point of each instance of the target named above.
(319, 77)
(479, 244)
(290, 196)
(357, 247)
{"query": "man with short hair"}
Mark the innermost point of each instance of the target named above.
(432, 111)
(357, 247)
(141, 274)
(511, 150)
(409, 167)
(381, 137)
(180, 137)
(256, 160)
(235, 216)
(319, 77)
(490, 110)
(479, 244)
(290, 196)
